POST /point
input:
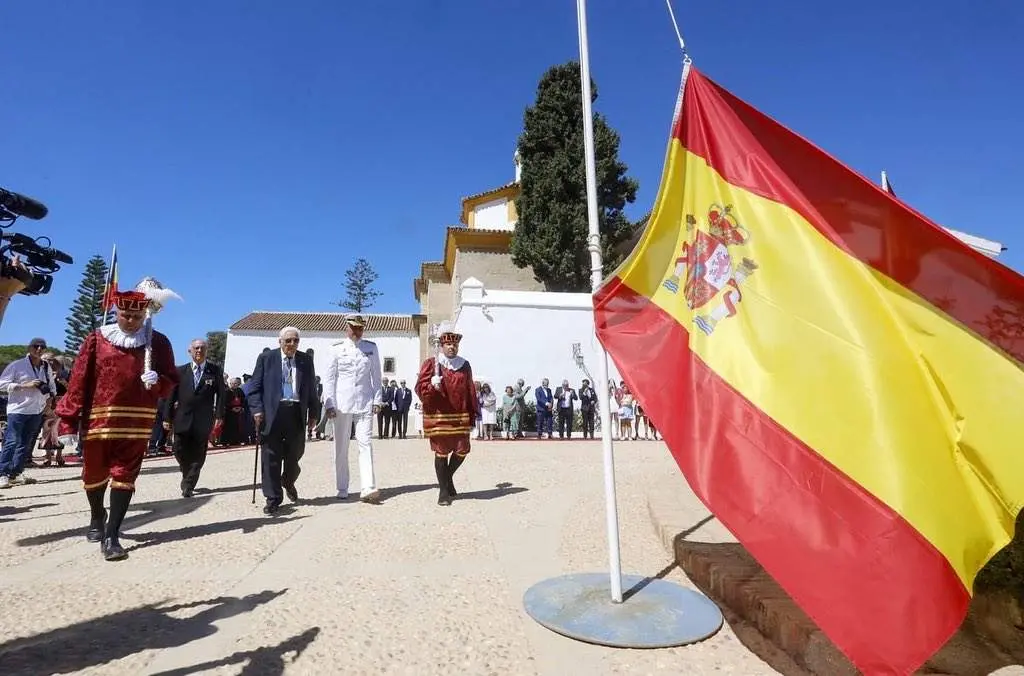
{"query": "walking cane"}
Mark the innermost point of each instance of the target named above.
(255, 468)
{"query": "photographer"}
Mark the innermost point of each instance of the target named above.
(29, 384)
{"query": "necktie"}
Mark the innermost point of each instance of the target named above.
(287, 390)
(195, 376)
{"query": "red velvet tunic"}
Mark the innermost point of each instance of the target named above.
(110, 407)
(449, 413)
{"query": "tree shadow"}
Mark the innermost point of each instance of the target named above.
(268, 661)
(250, 525)
(151, 511)
(97, 641)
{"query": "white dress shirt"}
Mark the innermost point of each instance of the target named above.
(353, 383)
(26, 401)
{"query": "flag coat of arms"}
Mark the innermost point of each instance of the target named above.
(838, 378)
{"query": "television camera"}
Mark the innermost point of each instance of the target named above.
(27, 263)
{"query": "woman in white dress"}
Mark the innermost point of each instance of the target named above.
(488, 406)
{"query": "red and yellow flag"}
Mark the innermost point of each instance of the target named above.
(110, 287)
(839, 379)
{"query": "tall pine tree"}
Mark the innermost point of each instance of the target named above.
(359, 292)
(86, 313)
(551, 236)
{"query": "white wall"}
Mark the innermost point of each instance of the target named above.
(509, 335)
(492, 215)
(244, 346)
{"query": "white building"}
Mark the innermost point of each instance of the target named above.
(494, 323)
(396, 336)
(501, 330)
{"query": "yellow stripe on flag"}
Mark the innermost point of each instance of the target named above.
(877, 381)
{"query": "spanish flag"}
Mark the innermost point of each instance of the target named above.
(836, 376)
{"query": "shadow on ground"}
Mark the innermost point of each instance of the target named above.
(749, 596)
(150, 512)
(269, 661)
(100, 640)
(163, 537)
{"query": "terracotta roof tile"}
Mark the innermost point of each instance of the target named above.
(322, 321)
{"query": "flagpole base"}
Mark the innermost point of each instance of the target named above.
(653, 614)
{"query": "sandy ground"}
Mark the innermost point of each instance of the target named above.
(331, 587)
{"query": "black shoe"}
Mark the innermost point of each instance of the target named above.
(187, 491)
(443, 499)
(292, 494)
(112, 550)
(271, 508)
(96, 529)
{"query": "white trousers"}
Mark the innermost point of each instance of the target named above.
(342, 433)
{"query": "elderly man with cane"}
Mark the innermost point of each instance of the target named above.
(283, 400)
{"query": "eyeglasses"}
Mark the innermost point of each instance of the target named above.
(290, 341)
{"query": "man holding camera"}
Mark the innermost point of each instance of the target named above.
(29, 384)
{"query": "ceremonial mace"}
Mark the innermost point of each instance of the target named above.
(157, 294)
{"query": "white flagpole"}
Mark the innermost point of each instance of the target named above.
(596, 277)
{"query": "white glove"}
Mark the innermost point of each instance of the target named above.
(69, 440)
(150, 377)
(436, 382)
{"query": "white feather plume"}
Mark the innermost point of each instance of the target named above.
(160, 296)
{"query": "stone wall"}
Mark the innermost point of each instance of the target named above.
(495, 270)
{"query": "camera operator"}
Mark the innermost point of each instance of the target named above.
(29, 383)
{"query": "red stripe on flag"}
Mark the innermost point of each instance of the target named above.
(887, 597)
(752, 151)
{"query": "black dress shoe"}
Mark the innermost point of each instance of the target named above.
(186, 492)
(96, 529)
(271, 508)
(292, 494)
(112, 550)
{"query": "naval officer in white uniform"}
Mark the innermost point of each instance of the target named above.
(352, 393)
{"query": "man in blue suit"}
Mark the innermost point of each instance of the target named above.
(545, 412)
(283, 401)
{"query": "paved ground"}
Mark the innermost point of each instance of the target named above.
(406, 587)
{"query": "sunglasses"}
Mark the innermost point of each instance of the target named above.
(37, 347)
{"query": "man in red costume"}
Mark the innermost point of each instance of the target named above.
(446, 390)
(111, 401)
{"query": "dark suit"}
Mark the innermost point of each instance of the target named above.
(283, 432)
(403, 402)
(588, 409)
(192, 409)
(544, 415)
(387, 395)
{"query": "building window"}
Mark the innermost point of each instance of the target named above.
(389, 364)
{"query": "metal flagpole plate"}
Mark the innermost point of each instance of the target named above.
(653, 614)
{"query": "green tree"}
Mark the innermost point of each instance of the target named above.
(86, 313)
(359, 292)
(551, 236)
(216, 346)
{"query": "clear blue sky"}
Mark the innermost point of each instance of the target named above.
(198, 136)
